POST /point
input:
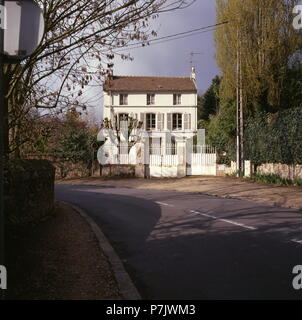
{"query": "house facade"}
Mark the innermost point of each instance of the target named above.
(163, 104)
(167, 108)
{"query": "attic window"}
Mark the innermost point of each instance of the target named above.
(123, 99)
(150, 99)
(176, 99)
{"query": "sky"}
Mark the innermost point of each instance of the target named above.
(173, 58)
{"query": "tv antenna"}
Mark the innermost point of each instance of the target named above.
(192, 54)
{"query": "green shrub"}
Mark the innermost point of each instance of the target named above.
(274, 138)
(275, 179)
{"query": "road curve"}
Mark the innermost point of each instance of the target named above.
(190, 246)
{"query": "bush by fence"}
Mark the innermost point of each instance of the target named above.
(275, 138)
(29, 191)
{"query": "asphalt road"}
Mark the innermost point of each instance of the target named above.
(191, 246)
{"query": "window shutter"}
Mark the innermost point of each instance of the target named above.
(187, 120)
(169, 121)
(160, 121)
(143, 119)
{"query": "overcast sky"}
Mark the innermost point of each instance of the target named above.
(173, 58)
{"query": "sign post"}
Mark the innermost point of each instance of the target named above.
(21, 31)
(1, 138)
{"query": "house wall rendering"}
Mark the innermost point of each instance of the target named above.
(137, 107)
(161, 103)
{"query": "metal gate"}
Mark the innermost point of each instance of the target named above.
(163, 160)
(201, 160)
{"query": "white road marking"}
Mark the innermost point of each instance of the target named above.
(225, 220)
(164, 204)
(239, 224)
(296, 241)
(204, 214)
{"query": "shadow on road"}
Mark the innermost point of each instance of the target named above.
(185, 256)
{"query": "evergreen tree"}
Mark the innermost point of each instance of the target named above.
(208, 104)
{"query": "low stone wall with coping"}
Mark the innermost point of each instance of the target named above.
(283, 170)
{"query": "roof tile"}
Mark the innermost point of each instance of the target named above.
(149, 84)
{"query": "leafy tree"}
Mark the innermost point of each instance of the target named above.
(78, 46)
(261, 34)
(221, 132)
(292, 94)
(123, 131)
(203, 124)
(73, 139)
(208, 104)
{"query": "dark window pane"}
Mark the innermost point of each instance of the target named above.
(177, 121)
(151, 121)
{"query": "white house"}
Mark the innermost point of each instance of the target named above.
(163, 104)
(167, 107)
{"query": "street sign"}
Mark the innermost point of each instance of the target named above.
(24, 29)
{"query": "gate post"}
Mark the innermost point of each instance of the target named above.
(140, 167)
(182, 159)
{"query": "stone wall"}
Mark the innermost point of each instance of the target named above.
(223, 170)
(66, 169)
(118, 170)
(29, 191)
(283, 170)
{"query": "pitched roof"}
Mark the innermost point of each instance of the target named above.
(150, 84)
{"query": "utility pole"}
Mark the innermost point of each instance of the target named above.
(241, 118)
(239, 111)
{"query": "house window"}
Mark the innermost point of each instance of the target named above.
(123, 116)
(177, 121)
(150, 121)
(176, 99)
(150, 99)
(123, 99)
